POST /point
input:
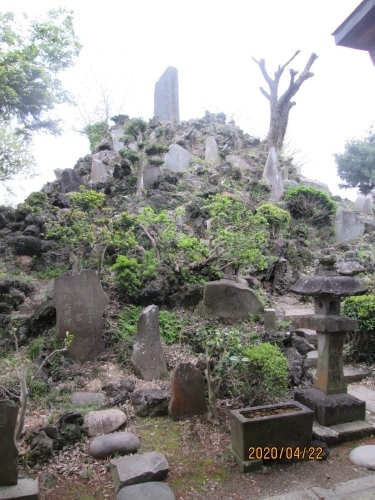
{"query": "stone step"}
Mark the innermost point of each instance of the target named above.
(351, 374)
(341, 433)
(310, 335)
(365, 394)
(312, 358)
(296, 316)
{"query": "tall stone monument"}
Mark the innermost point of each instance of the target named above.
(166, 103)
(80, 303)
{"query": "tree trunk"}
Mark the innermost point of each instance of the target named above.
(280, 106)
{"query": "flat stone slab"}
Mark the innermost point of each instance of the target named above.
(137, 469)
(353, 430)
(82, 399)
(353, 374)
(152, 490)
(326, 434)
(365, 394)
(25, 489)
(296, 316)
(104, 421)
(364, 456)
(108, 445)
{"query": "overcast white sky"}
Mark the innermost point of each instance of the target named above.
(128, 45)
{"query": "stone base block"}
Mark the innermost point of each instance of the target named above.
(332, 409)
(25, 489)
(247, 466)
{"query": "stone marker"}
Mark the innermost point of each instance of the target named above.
(8, 448)
(146, 491)
(270, 320)
(212, 151)
(25, 489)
(104, 421)
(98, 171)
(304, 181)
(177, 158)
(150, 175)
(166, 102)
(82, 399)
(363, 204)
(348, 226)
(363, 456)
(188, 392)
(231, 300)
(108, 445)
(80, 304)
(272, 175)
(136, 469)
(148, 356)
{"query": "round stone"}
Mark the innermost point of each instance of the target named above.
(104, 421)
(364, 456)
(152, 490)
(108, 445)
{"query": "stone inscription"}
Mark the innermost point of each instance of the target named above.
(80, 304)
(8, 448)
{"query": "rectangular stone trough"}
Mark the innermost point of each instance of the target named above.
(263, 433)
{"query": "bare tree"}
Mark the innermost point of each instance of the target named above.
(280, 106)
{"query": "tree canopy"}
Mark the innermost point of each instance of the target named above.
(356, 166)
(32, 53)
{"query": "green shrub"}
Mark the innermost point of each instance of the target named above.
(312, 205)
(360, 344)
(36, 202)
(170, 326)
(128, 320)
(127, 271)
(277, 217)
(96, 132)
(267, 372)
(87, 200)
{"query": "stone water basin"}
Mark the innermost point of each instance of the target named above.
(266, 432)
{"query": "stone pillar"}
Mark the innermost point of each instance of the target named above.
(330, 372)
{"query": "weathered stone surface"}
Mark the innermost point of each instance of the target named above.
(150, 175)
(82, 399)
(98, 171)
(116, 134)
(272, 175)
(330, 370)
(177, 158)
(26, 245)
(227, 299)
(122, 443)
(152, 490)
(148, 356)
(25, 489)
(70, 180)
(41, 447)
(363, 393)
(104, 421)
(166, 102)
(136, 469)
(8, 448)
(187, 392)
(348, 226)
(237, 162)
(212, 151)
(363, 456)
(304, 181)
(295, 362)
(57, 172)
(363, 204)
(67, 431)
(80, 304)
(150, 402)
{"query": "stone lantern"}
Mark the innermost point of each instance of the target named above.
(329, 399)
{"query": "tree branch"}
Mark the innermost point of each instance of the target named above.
(153, 242)
(266, 94)
(262, 65)
(280, 70)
